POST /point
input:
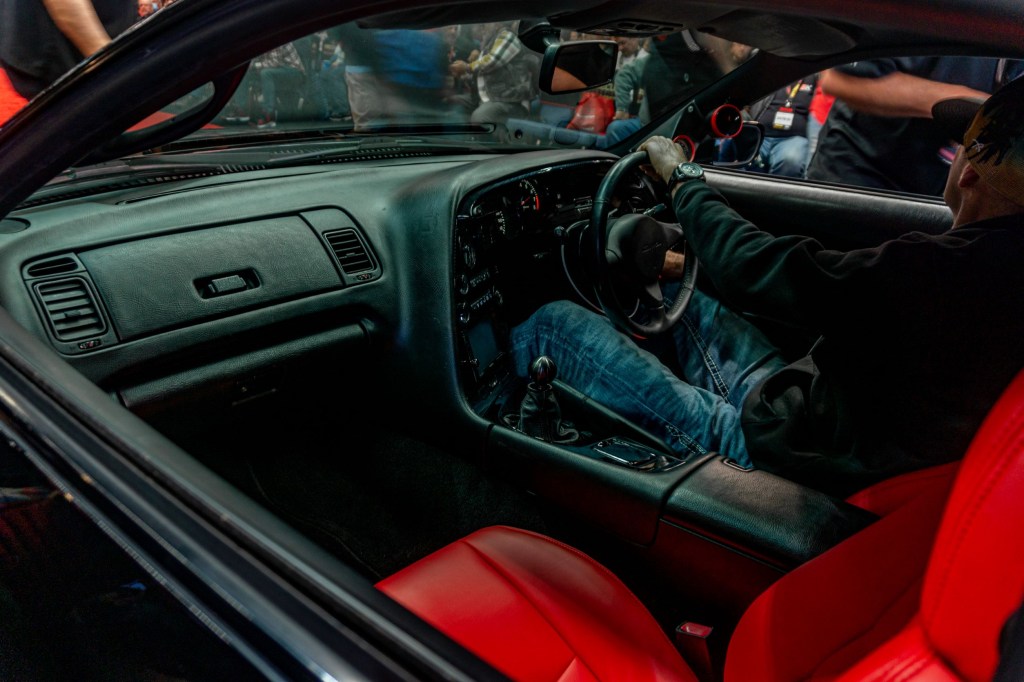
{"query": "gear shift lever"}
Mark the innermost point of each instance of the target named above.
(539, 413)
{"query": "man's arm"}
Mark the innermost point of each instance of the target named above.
(788, 278)
(77, 19)
(627, 82)
(895, 94)
(504, 49)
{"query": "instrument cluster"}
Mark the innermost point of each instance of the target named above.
(502, 234)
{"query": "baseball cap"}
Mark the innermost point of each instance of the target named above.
(992, 133)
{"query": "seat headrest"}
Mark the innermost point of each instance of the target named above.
(975, 577)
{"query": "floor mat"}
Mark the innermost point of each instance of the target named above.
(381, 503)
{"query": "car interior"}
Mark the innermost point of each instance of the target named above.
(323, 325)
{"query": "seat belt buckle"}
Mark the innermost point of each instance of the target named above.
(691, 640)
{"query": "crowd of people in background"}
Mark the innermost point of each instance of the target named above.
(865, 124)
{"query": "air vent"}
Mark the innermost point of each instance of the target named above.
(70, 308)
(352, 255)
(54, 266)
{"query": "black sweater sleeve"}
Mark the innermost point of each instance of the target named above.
(795, 279)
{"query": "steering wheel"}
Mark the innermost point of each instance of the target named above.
(627, 259)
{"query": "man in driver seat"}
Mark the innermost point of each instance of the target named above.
(918, 336)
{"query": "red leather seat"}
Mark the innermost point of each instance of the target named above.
(920, 595)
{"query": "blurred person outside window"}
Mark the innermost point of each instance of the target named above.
(784, 115)
(413, 70)
(506, 75)
(880, 133)
(366, 106)
(333, 85)
(630, 108)
(461, 90)
(281, 71)
(630, 50)
(43, 39)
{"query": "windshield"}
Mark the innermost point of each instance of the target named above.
(473, 80)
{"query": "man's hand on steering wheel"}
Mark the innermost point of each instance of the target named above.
(664, 156)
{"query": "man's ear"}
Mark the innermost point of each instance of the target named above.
(968, 176)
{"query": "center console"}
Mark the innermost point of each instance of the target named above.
(750, 525)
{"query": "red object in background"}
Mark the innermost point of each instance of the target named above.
(821, 104)
(10, 101)
(687, 144)
(593, 113)
(161, 116)
(726, 121)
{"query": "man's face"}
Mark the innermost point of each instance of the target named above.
(628, 46)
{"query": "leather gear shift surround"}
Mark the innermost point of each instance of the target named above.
(539, 414)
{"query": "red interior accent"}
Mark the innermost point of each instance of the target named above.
(161, 116)
(976, 576)
(827, 614)
(686, 143)
(718, 132)
(10, 101)
(886, 497)
(537, 609)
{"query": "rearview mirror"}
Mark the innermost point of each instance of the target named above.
(577, 66)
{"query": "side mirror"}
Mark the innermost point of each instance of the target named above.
(577, 66)
(731, 152)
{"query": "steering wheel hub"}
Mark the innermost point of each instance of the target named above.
(628, 254)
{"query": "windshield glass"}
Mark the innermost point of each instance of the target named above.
(468, 79)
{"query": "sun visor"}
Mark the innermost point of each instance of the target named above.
(784, 36)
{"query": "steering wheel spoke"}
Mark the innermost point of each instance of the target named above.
(628, 258)
(652, 296)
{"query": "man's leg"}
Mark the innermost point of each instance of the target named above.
(813, 131)
(364, 97)
(498, 112)
(621, 129)
(721, 352)
(599, 361)
(788, 157)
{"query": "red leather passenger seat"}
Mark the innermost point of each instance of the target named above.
(920, 595)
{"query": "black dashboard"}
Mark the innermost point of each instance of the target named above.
(202, 293)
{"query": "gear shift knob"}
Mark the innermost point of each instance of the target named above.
(539, 414)
(543, 370)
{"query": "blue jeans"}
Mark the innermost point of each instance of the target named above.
(720, 355)
(813, 132)
(277, 79)
(621, 129)
(785, 155)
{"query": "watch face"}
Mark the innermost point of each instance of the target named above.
(691, 170)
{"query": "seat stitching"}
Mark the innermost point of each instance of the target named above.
(900, 670)
(912, 667)
(496, 568)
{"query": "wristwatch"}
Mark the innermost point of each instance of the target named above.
(685, 172)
